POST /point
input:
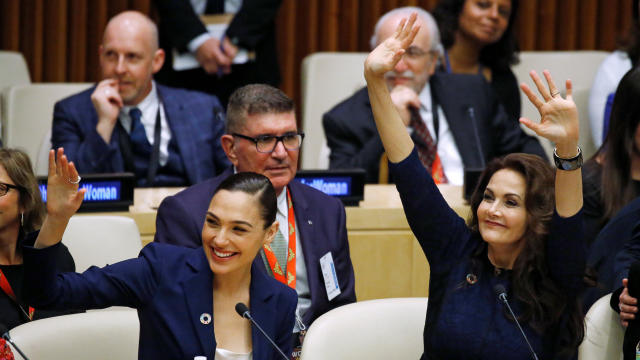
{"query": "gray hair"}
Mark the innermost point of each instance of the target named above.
(432, 27)
(255, 99)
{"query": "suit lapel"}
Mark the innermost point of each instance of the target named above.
(261, 292)
(198, 294)
(306, 218)
(458, 118)
(182, 131)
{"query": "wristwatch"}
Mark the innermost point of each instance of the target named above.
(568, 164)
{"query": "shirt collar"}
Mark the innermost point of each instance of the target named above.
(282, 202)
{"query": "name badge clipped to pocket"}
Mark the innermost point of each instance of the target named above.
(330, 277)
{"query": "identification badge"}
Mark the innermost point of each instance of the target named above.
(329, 274)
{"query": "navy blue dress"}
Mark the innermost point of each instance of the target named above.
(467, 321)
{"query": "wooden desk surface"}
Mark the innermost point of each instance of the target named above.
(387, 259)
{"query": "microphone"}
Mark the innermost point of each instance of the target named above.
(472, 116)
(472, 174)
(243, 311)
(632, 334)
(7, 337)
(502, 295)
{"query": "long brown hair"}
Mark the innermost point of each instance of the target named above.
(18, 166)
(543, 303)
(618, 188)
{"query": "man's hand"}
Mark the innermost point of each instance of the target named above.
(405, 98)
(211, 57)
(628, 305)
(107, 102)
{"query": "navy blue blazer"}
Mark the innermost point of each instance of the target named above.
(321, 224)
(171, 287)
(190, 116)
(354, 141)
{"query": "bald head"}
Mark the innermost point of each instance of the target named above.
(129, 54)
(133, 23)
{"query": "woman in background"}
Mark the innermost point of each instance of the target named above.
(612, 175)
(478, 38)
(520, 243)
(609, 75)
(21, 212)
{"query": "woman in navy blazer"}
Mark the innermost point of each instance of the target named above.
(181, 294)
(519, 242)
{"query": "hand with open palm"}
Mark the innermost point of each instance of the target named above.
(386, 55)
(558, 116)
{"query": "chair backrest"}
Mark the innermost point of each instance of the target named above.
(372, 329)
(94, 335)
(580, 67)
(327, 79)
(604, 334)
(28, 113)
(13, 69)
(101, 240)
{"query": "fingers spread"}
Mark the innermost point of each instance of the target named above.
(52, 162)
(530, 124)
(532, 97)
(569, 87)
(541, 88)
(552, 86)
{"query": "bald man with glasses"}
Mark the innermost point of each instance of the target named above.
(262, 137)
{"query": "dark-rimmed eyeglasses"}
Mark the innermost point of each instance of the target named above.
(4, 188)
(267, 143)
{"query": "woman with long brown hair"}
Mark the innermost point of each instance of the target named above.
(523, 242)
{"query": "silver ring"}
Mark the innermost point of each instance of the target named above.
(75, 182)
(555, 93)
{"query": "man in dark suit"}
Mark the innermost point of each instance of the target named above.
(166, 136)
(470, 125)
(262, 136)
(252, 29)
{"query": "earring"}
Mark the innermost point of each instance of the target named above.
(21, 219)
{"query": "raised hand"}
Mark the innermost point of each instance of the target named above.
(386, 55)
(558, 116)
(63, 197)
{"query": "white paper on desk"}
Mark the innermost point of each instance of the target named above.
(187, 61)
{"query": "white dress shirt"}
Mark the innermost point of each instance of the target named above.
(447, 149)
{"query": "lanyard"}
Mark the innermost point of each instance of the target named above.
(6, 287)
(276, 268)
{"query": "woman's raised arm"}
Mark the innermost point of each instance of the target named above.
(383, 58)
(559, 124)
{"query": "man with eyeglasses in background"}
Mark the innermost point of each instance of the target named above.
(469, 124)
(262, 137)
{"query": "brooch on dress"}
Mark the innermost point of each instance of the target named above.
(472, 279)
(205, 318)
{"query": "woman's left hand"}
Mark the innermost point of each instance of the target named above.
(63, 197)
(558, 116)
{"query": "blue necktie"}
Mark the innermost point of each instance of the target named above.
(137, 135)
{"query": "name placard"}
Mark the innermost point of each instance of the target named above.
(104, 192)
